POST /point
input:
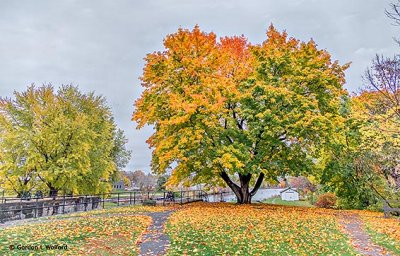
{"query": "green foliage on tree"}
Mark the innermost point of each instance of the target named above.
(161, 182)
(59, 140)
(347, 169)
(361, 164)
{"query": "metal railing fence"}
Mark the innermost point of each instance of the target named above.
(14, 208)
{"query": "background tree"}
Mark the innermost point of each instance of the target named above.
(348, 169)
(127, 182)
(62, 139)
(145, 182)
(364, 165)
(360, 165)
(120, 153)
(161, 182)
(379, 106)
(303, 185)
(125, 177)
(137, 177)
(228, 109)
(394, 13)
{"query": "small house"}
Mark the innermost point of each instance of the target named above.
(119, 185)
(289, 194)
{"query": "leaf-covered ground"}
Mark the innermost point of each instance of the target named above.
(99, 235)
(279, 201)
(133, 209)
(203, 229)
(385, 232)
(227, 229)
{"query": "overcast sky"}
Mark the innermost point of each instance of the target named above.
(100, 45)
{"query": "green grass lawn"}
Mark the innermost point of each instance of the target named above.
(279, 201)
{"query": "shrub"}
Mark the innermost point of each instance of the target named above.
(149, 202)
(327, 200)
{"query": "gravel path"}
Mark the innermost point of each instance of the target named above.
(155, 241)
(361, 241)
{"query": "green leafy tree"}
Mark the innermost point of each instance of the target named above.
(161, 182)
(349, 171)
(361, 163)
(64, 140)
(227, 110)
(120, 153)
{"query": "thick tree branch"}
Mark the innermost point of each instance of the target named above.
(258, 184)
(228, 181)
(235, 188)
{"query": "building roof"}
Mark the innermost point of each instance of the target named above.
(287, 189)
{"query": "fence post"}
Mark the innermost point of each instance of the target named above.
(163, 203)
(85, 203)
(64, 204)
(181, 196)
(103, 200)
(36, 207)
(130, 197)
(118, 199)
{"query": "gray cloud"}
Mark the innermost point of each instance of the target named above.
(100, 45)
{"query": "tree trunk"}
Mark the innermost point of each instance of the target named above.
(244, 187)
(53, 191)
(242, 192)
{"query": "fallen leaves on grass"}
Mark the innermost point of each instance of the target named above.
(123, 210)
(227, 229)
(115, 235)
(383, 231)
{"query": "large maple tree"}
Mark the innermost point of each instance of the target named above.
(226, 110)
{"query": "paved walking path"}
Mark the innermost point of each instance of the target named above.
(155, 242)
(361, 241)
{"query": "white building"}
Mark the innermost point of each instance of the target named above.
(289, 194)
(118, 185)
